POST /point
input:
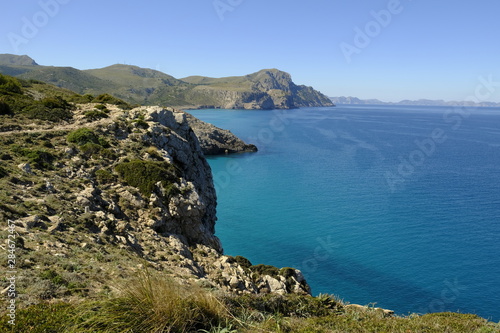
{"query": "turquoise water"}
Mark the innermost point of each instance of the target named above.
(398, 206)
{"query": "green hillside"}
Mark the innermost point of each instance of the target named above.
(266, 89)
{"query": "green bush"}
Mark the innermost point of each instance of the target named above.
(4, 108)
(145, 174)
(265, 270)
(41, 159)
(41, 112)
(9, 85)
(91, 149)
(108, 99)
(104, 176)
(244, 262)
(287, 272)
(82, 136)
(109, 154)
(102, 107)
(56, 103)
(38, 158)
(53, 109)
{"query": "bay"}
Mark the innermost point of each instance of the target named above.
(393, 205)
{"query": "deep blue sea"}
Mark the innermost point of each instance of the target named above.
(398, 206)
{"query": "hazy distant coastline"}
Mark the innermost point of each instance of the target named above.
(423, 102)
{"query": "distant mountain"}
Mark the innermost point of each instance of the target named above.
(420, 102)
(266, 89)
(15, 60)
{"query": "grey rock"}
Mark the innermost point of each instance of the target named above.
(26, 167)
(217, 141)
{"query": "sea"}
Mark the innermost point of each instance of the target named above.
(392, 206)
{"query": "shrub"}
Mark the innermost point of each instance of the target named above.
(53, 109)
(154, 153)
(244, 262)
(42, 159)
(108, 99)
(4, 108)
(82, 136)
(9, 85)
(56, 103)
(109, 154)
(145, 174)
(287, 272)
(104, 176)
(39, 111)
(91, 149)
(265, 270)
(39, 158)
(102, 107)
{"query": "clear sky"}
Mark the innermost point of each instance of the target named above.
(436, 49)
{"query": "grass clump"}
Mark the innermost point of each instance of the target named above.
(152, 303)
(43, 317)
(145, 174)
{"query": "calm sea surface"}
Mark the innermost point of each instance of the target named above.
(398, 206)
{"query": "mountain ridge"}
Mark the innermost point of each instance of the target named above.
(266, 89)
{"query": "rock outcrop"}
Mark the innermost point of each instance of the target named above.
(216, 141)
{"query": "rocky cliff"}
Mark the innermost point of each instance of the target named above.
(266, 89)
(107, 192)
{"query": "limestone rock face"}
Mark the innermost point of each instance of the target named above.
(195, 210)
(217, 141)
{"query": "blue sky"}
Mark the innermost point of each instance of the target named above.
(435, 49)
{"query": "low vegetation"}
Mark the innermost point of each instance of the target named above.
(153, 303)
(145, 174)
